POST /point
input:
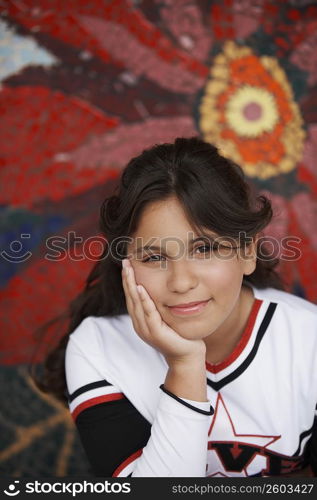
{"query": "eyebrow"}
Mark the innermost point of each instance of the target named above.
(191, 243)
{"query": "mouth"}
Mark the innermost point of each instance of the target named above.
(191, 308)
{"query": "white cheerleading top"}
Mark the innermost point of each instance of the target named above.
(264, 398)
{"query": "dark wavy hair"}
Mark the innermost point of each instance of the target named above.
(214, 194)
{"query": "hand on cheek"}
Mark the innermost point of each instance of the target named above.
(149, 324)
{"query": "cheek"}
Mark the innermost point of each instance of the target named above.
(145, 278)
(224, 277)
(140, 274)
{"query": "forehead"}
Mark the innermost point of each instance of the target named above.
(163, 217)
(165, 222)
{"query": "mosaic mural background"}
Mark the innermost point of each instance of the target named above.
(88, 84)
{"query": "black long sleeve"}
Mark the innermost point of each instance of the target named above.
(112, 433)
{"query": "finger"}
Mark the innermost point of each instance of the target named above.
(137, 304)
(128, 299)
(131, 285)
(135, 308)
(160, 337)
(152, 316)
(148, 305)
(130, 305)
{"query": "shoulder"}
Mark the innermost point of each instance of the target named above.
(288, 300)
(92, 349)
(112, 341)
(94, 331)
(293, 318)
(97, 340)
(95, 324)
(108, 348)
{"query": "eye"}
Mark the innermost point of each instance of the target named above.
(204, 249)
(149, 259)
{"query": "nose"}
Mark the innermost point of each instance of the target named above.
(181, 276)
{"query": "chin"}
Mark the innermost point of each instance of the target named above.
(188, 333)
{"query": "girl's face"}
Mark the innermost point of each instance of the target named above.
(180, 272)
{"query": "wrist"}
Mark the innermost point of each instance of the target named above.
(187, 379)
(187, 361)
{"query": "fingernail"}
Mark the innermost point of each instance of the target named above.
(124, 263)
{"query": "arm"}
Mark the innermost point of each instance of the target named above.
(113, 435)
(178, 443)
(187, 378)
(309, 470)
(313, 449)
(119, 441)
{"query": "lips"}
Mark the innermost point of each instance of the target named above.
(190, 310)
(189, 304)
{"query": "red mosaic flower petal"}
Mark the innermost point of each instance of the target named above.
(306, 266)
(57, 282)
(126, 141)
(292, 232)
(56, 124)
(117, 32)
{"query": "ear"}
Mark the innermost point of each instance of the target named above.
(249, 256)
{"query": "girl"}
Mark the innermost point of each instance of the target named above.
(185, 356)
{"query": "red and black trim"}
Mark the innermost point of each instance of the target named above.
(128, 461)
(96, 401)
(216, 368)
(248, 360)
(87, 387)
(93, 397)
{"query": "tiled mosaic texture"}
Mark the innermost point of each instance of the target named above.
(88, 84)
